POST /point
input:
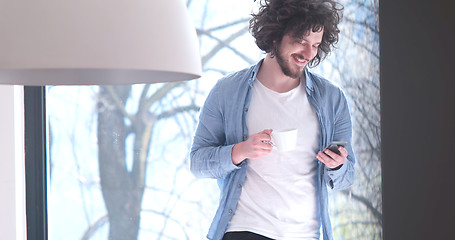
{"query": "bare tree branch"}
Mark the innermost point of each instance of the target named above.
(160, 93)
(361, 45)
(223, 44)
(178, 110)
(94, 227)
(167, 216)
(143, 98)
(118, 102)
(363, 24)
(356, 223)
(366, 203)
(230, 24)
(78, 166)
(222, 72)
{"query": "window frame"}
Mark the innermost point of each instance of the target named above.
(35, 162)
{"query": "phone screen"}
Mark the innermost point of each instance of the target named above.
(333, 146)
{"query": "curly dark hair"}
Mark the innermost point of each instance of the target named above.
(277, 18)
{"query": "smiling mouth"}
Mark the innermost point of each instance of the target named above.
(300, 59)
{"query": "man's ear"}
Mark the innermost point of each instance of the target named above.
(274, 49)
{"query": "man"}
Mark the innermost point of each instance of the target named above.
(267, 193)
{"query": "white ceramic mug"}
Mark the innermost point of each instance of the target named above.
(285, 140)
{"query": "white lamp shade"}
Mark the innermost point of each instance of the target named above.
(103, 42)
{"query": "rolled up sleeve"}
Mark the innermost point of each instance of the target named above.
(210, 156)
(343, 177)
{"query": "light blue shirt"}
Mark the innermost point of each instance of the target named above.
(222, 123)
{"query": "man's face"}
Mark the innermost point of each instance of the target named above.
(293, 54)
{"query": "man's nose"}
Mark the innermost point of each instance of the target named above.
(309, 52)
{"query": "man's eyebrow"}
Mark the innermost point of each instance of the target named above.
(301, 39)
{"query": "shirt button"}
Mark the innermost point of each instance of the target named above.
(230, 211)
(246, 109)
(239, 186)
(244, 137)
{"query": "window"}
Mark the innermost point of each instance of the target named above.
(118, 155)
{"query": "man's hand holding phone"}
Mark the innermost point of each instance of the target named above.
(334, 155)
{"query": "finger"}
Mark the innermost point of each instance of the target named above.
(330, 153)
(260, 137)
(261, 150)
(263, 136)
(262, 142)
(267, 131)
(270, 143)
(343, 152)
(266, 145)
(337, 158)
(324, 157)
(329, 162)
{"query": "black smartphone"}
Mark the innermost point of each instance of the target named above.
(333, 146)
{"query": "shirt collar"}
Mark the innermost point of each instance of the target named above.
(255, 72)
(309, 82)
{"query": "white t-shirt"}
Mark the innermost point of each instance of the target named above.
(278, 199)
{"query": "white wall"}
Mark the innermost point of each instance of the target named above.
(12, 187)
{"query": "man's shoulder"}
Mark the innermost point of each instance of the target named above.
(238, 77)
(322, 83)
(234, 82)
(320, 80)
(232, 86)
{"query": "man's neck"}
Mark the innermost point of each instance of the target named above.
(271, 76)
